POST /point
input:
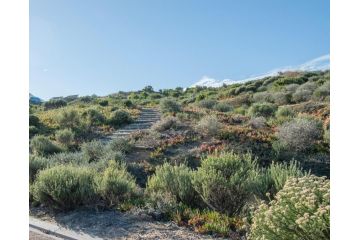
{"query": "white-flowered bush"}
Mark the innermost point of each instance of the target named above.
(299, 211)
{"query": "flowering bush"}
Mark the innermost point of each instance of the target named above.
(299, 211)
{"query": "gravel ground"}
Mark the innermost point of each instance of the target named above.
(36, 236)
(116, 225)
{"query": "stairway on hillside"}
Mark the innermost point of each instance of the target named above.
(146, 119)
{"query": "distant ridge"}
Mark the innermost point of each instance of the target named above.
(318, 64)
(34, 100)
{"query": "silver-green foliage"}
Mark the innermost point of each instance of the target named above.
(173, 182)
(41, 145)
(115, 184)
(225, 181)
(65, 187)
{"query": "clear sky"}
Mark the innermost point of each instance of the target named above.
(104, 46)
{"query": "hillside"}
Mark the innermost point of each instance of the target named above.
(212, 162)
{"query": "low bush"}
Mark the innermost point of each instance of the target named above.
(34, 121)
(223, 107)
(281, 98)
(121, 145)
(93, 117)
(301, 95)
(35, 165)
(33, 131)
(103, 103)
(299, 211)
(300, 134)
(65, 137)
(41, 145)
(272, 179)
(257, 122)
(119, 117)
(284, 112)
(322, 92)
(93, 150)
(169, 105)
(209, 125)
(69, 119)
(65, 187)
(224, 181)
(262, 110)
(174, 182)
(74, 158)
(209, 104)
(166, 124)
(115, 184)
(55, 103)
(262, 97)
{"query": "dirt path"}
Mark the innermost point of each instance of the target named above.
(116, 225)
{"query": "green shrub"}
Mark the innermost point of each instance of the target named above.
(299, 211)
(169, 105)
(119, 118)
(93, 150)
(224, 181)
(209, 104)
(209, 125)
(262, 97)
(35, 165)
(75, 158)
(34, 121)
(69, 119)
(55, 103)
(65, 187)
(115, 184)
(128, 103)
(284, 112)
(301, 95)
(323, 91)
(65, 137)
(257, 122)
(166, 124)
(223, 107)
(272, 179)
(281, 98)
(33, 131)
(262, 110)
(93, 117)
(103, 103)
(172, 181)
(121, 145)
(41, 145)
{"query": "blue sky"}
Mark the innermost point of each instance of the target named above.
(103, 46)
